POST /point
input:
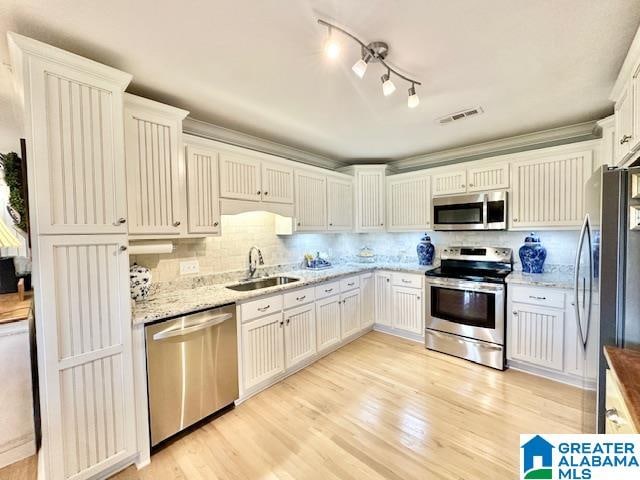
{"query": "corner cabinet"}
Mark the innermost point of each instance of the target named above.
(369, 197)
(549, 192)
(408, 202)
(155, 175)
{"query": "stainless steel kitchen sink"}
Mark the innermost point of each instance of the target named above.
(262, 283)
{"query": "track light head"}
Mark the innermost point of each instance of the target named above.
(360, 67)
(388, 86)
(413, 100)
(331, 46)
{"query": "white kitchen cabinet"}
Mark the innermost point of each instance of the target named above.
(634, 143)
(350, 313)
(277, 183)
(536, 335)
(262, 350)
(408, 202)
(450, 182)
(407, 309)
(299, 335)
(203, 200)
(369, 197)
(311, 201)
(328, 322)
(155, 175)
(624, 123)
(488, 177)
(240, 176)
(549, 192)
(367, 300)
(383, 298)
(340, 204)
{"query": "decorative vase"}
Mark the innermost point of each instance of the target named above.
(426, 250)
(139, 282)
(532, 254)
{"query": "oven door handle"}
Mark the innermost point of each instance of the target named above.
(470, 286)
(466, 341)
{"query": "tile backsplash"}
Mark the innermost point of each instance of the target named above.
(229, 251)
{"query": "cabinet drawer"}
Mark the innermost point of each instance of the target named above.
(327, 289)
(618, 419)
(410, 280)
(261, 307)
(538, 296)
(299, 297)
(349, 283)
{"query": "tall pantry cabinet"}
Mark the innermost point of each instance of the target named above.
(72, 118)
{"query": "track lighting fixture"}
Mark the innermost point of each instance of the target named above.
(413, 100)
(370, 53)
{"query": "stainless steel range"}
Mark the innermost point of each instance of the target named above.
(465, 304)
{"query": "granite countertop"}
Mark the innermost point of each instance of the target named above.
(625, 367)
(185, 300)
(558, 279)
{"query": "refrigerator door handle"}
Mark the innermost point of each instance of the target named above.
(576, 280)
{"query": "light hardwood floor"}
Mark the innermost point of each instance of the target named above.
(378, 408)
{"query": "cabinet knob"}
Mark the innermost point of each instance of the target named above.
(471, 185)
(215, 224)
(266, 193)
(123, 248)
(387, 280)
(515, 313)
(288, 321)
(515, 219)
(462, 186)
(382, 224)
(258, 192)
(331, 224)
(281, 323)
(122, 220)
(299, 224)
(625, 139)
(176, 224)
(418, 298)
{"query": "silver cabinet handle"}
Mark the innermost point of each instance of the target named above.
(471, 185)
(327, 290)
(215, 224)
(264, 309)
(405, 281)
(515, 313)
(122, 220)
(515, 219)
(350, 284)
(625, 139)
(462, 186)
(299, 299)
(535, 297)
(176, 224)
(181, 330)
(266, 193)
(288, 320)
(258, 193)
(281, 323)
(123, 248)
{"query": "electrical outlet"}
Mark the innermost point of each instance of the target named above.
(189, 267)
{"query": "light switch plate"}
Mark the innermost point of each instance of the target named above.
(189, 267)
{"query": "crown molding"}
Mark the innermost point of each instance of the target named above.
(530, 141)
(627, 69)
(239, 139)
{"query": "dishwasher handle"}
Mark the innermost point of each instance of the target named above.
(185, 330)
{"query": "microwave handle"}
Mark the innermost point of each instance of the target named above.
(485, 211)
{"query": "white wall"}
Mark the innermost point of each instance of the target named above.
(229, 252)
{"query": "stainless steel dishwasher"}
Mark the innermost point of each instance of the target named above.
(192, 369)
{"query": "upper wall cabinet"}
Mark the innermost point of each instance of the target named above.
(456, 179)
(311, 201)
(339, 203)
(370, 197)
(203, 200)
(76, 138)
(155, 178)
(408, 202)
(550, 192)
(624, 124)
(246, 176)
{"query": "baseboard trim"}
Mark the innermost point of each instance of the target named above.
(17, 453)
(398, 333)
(560, 377)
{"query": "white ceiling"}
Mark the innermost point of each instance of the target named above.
(258, 67)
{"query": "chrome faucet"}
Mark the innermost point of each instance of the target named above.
(253, 264)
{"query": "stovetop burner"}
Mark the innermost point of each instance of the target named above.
(470, 274)
(475, 264)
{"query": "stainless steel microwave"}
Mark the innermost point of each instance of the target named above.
(481, 211)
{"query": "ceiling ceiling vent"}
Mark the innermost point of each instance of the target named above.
(461, 115)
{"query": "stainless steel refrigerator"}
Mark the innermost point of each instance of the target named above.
(607, 275)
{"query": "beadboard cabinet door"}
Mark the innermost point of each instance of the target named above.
(536, 335)
(408, 203)
(450, 182)
(383, 298)
(311, 201)
(328, 322)
(624, 124)
(407, 308)
(350, 313)
(277, 183)
(299, 335)
(488, 177)
(154, 172)
(86, 327)
(240, 176)
(340, 204)
(203, 200)
(262, 350)
(77, 143)
(367, 300)
(370, 201)
(549, 192)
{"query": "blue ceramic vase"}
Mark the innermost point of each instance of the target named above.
(532, 254)
(426, 250)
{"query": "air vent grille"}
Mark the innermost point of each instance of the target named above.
(461, 115)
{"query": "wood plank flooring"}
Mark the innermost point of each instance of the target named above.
(379, 408)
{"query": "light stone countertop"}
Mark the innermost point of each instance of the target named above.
(547, 279)
(186, 300)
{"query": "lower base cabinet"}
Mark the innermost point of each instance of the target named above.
(299, 335)
(262, 349)
(399, 303)
(350, 313)
(407, 308)
(367, 300)
(328, 322)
